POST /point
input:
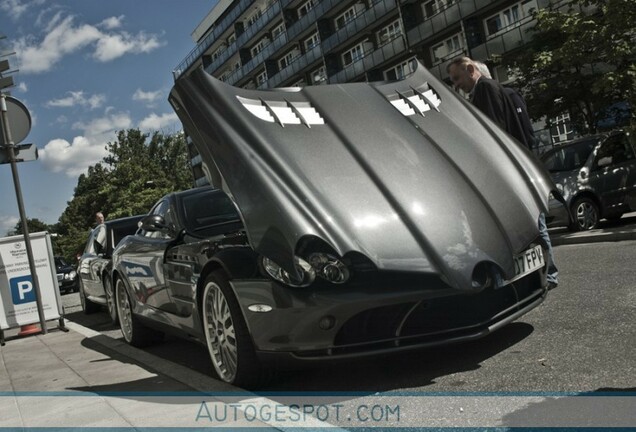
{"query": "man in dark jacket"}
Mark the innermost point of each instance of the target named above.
(487, 95)
(518, 102)
(492, 99)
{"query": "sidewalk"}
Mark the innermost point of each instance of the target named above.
(81, 378)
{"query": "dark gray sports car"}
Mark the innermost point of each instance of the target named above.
(365, 218)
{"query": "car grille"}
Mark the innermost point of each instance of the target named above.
(433, 321)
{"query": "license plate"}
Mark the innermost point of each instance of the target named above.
(527, 262)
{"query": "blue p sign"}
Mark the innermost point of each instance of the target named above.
(22, 290)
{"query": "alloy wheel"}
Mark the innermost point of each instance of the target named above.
(220, 332)
(110, 299)
(586, 215)
(82, 298)
(124, 311)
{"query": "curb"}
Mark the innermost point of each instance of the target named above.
(595, 236)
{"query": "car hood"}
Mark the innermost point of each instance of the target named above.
(406, 173)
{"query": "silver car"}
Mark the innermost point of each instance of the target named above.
(596, 176)
(369, 218)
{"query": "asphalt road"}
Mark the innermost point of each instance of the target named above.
(581, 339)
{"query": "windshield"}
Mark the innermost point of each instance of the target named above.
(570, 157)
(59, 262)
(206, 211)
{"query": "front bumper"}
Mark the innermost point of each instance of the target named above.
(377, 315)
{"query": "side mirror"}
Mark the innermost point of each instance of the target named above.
(154, 223)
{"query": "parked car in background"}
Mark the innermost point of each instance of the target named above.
(66, 276)
(365, 219)
(95, 264)
(596, 176)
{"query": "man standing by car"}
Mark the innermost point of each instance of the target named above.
(490, 97)
(100, 240)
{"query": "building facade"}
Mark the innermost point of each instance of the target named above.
(281, 43)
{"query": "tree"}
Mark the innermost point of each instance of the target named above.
(34, 225)
(582, 60)
(128, 181)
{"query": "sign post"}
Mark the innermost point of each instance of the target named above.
(15, 116)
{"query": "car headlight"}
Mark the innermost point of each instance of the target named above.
(323, 265)
(304, 270)
(329, 267)
(70, 275)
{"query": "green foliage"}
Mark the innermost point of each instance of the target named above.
(128, 181)
(34, 225)
(582, 59)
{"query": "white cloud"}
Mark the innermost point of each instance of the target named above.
(7, 223)
(110, 47)
(77, 98)
(156, 122)
(64, 37)
(15, 8)
(62, 40)
(74, 158)
(112, 22)
(109, 123)
(23, 87)
(149, 98)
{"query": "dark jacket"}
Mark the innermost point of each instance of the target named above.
(491, 98)
(522, 113)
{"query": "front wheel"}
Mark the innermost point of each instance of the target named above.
(110, 299)
(226, 335)
(87, 306)
(135, 333)
(586, 214)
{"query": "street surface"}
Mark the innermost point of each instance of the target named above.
(581, 339)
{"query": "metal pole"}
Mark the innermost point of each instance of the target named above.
(18, 192)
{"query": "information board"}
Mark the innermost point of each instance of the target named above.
(17, 293)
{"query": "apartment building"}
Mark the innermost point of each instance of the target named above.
(281, 43)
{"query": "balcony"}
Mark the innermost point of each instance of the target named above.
(357, 25)
(512, 39)
(259, 59)
(212, 37)
(435, 24)
(266, 17)
(295, 67)
(312, 16)
(369, 61)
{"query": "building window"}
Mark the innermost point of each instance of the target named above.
(312, 41)
(389, 32)
(288, 58)
(509, 17)
(562, 129)
(319, 76)
(346, 17)
(231, 38)
(354, 54)
(259, 46)
(218, 52)
(306, 7)
(261, 78)
(447, 48)
(400, 71)
(253, 18)
(433, 7)
(278, 30)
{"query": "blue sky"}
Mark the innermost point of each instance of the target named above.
(88, 68)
